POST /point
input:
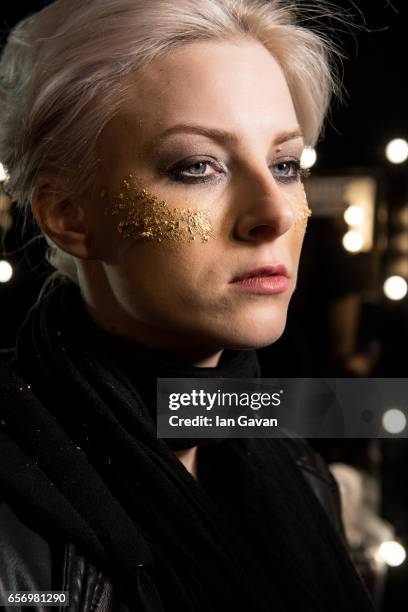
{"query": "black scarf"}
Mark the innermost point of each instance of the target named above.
(78, 451)
(142, 366)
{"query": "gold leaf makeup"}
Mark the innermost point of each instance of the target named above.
(301, 209)
(149, 218)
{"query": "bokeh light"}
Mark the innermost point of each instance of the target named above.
(396, 151)
(392, 552)
(308, 158)
(395, 288)
(394, 421)
(354, 215)
(353, 241)
(6, 271)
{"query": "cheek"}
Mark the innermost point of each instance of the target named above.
(170, 271)
(301, 209)
(298, 234)
(141, 215)
(301, 213)
(296, 201)
(294, 242)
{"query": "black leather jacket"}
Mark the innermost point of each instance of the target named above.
(28, 562)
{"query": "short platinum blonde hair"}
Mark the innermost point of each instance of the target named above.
(63, 78)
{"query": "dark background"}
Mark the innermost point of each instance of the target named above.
(373, 112)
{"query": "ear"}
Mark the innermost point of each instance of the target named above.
(61, 218)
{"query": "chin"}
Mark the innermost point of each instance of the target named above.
(255, 334)
(258, 342)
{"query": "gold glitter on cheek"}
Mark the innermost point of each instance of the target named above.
(149, 218)
(301, 209)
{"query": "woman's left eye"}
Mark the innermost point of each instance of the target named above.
(287, 170)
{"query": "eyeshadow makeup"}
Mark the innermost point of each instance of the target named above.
(148, 217)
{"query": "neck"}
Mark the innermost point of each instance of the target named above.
(188, 458)
(211, 361)
(114, 319)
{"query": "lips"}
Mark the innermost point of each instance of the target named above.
(263, 281)
(263, 271)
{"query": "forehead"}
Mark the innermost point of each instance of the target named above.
(235, 85)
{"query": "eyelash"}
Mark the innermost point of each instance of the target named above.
(176, 173)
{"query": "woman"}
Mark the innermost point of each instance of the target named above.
(158, 145)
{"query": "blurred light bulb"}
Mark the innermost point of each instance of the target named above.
(6, 271)
(392, 552)
(308, 158)
(396, 151)
(395, 288)
(394, 421)
(353, 241)
(354, 215)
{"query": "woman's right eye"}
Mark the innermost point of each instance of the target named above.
(199, 166)
(193, 173)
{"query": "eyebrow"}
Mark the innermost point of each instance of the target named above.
(223, 136)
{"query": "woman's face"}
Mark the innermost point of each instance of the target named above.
(199, 184)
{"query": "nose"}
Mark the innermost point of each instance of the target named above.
(265, 211)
